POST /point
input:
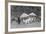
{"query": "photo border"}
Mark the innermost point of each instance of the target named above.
(43, 17)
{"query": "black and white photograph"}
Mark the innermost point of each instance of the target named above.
(25, 17)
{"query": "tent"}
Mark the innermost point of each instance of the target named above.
(24, 15)
(32, 14)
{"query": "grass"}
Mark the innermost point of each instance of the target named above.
(33, 24)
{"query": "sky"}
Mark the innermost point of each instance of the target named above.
(18, 10)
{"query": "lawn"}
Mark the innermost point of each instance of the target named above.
(33, 24)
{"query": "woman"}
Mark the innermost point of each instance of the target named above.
(18, 20)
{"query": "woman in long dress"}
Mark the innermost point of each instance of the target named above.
(18, 20)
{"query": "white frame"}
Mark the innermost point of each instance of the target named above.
(23, 29)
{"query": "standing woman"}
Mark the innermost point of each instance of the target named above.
(18, 20)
